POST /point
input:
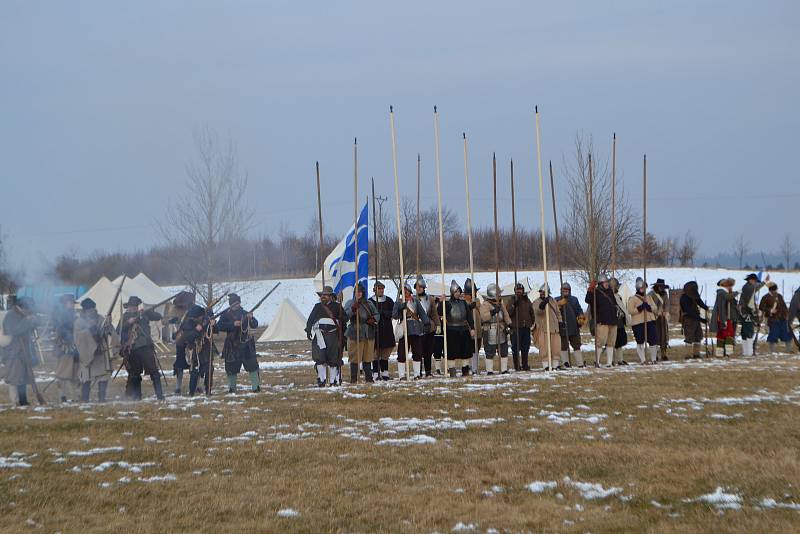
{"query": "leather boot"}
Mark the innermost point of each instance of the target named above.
(102, 390)
(385, 370)
(376, 369)
(451, 371)
(525, 363)
(133, 388)
(22, 395)
(465, 370)
(193, 377)
(255, 381)
(428, 367)
(179, 381)
(515, 359)
(86, 388)
(156, 386)
(231, 383)
(354, 373)
(367, 366)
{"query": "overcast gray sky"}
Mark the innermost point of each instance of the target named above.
(98, 101)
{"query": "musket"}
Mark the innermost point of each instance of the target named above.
(123, 350)
(28, 363)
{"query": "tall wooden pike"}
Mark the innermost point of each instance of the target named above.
(544, 240)
(399, 233)
(441, 230)
(471, 258)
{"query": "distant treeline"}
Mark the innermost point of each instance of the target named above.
(291, 254)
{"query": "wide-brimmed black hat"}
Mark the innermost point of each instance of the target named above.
(327, 290)
(233, 298)
(88, 304)
(184, 299)
(660, 282)
(133, 300)
(751, 276)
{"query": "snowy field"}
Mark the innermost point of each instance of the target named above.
(681, 446)
(301, 290)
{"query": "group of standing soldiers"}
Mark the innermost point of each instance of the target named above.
(368, 330)
(86, 342)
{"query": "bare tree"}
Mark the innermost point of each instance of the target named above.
(587, 236)
(787, 250)
(688, 250)
(6, 279)
(740, 249)
(212, 213)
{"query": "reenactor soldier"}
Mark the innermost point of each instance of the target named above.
(325, 330)
(239, 349)
(137, 348)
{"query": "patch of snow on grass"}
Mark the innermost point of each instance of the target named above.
(540, 486)
(720, 500)
(417, 439)
(772, 503)
(288, 513)
(590, 490)
(96, 450)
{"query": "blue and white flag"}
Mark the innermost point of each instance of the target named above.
(340, 265)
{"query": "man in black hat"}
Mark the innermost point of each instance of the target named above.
(325, 330)
(92, 334)
(180, 307)
(748, 312)
(20, 356)
(384, 335)
(239, 349)
(67, 354)
(138, 350)
(194, 341)
(660, 294)
(520, 310)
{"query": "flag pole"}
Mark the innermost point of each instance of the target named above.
(355, 243)
(399, 233)
(374, 228)
(319, 216)
(544, 242)
(471, 262)
(441, 230)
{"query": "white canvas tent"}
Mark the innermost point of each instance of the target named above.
(102, 292)
(287, 325)
(144, 288)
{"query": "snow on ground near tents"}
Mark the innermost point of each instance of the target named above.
(302, 293)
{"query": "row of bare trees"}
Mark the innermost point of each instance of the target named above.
(206, 233)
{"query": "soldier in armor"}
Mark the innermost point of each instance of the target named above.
(417, 323)
(495, 323)
(460, 329)
(428, 303)
(474, 307)
(622, 320)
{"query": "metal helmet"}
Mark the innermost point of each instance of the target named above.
(519, 285)
(566, 285)
(614, 283)
(544, 288)
(602, 278)
(454, 287)
(420, 282)
(468, 287)
(378, 284)
(492, 291)
(640, 283)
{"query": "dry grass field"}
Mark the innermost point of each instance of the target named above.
(708, 446)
